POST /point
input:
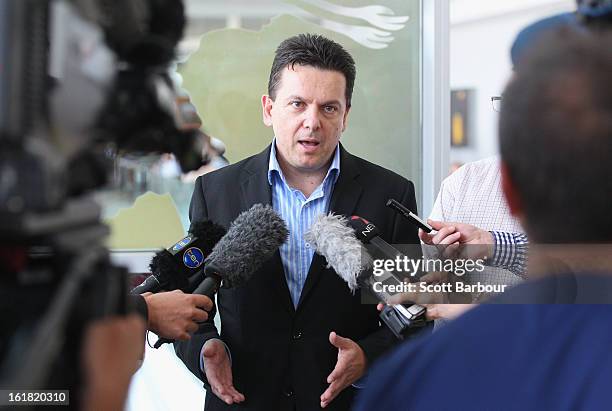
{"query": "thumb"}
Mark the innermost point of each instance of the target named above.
(437, 225)
(425, 237)
(337, 341)
(210, 350)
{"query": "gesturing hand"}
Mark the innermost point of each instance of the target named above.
(219, 372)
(349, 368)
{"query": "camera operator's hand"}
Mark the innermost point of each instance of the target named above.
(175, 315)
(460, 240)
(218, 371)
(111, 353)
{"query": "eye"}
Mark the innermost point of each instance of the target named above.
(330, 109)
(297, 104)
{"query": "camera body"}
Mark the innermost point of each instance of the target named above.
(84, 81)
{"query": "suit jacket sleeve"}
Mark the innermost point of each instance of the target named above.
(189, 351)
(377, 343)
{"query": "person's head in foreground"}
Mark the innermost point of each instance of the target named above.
(556, 139)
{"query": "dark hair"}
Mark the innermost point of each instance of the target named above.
(556, 137)
(316, 51)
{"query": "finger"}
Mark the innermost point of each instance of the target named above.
(199, 315)
(227, 390)
(222, 391)
(453, 250)
(330, 393)
(402, 298)
(337, 341)
(191, 327)
(148, 293)
(425, 237)
(183, 336)
(432, 312)
(336, 373)
(380, 307)
(228, 399)
(210, 350)
(432, 278)
(442, 234)
(202, 301)
(450, 239)
(438, 225)
(236, 395)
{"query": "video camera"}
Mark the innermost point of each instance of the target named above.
(83, 82)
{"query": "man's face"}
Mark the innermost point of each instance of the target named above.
(308, 116)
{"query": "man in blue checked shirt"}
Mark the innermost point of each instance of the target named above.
(295, 337)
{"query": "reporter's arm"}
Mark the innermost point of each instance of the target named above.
(112, 351)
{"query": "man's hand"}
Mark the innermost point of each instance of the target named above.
(440, 311)
(423, 297)
(111, 353)
(462, 240)
(219, 372)
(350, 367)
(175, 315)
(445, 311)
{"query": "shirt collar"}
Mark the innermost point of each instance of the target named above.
(274, 167)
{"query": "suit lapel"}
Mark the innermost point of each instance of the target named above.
(255, 189)
(345, 197)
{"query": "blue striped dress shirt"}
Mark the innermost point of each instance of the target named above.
(299, 213)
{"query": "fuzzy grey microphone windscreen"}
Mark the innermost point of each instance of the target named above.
(251, 239)
(331, 237)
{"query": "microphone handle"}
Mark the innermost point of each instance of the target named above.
(208, 287)
(386, 248)
(194, 281)
(150, 284)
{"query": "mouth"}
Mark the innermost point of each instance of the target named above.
(309, 144)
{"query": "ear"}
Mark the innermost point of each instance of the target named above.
(266, 106)
(345, 119)
(509, 189)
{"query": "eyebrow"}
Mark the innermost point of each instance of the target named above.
(325, 103)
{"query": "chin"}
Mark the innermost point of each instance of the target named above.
(309, 166)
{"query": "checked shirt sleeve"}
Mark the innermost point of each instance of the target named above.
(510, 251)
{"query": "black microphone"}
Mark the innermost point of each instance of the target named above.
(367, 233)
(180, 267)
(253, 237)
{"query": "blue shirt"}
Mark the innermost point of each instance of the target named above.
(299, 213)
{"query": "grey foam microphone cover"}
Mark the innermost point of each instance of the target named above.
(331, 237)
(252, 238)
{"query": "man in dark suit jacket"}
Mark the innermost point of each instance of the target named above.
(278, 349)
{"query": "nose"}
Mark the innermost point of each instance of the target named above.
(312, 120)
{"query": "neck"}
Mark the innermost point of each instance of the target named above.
(562, 258)
(304, 180)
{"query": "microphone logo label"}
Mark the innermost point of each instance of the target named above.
(369, 228)
(178, 246)
(193, 257)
